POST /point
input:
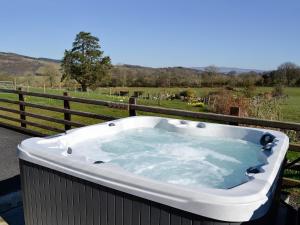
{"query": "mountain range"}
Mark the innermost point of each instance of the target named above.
(230, 69)
(16, 64)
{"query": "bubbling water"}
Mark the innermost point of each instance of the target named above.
(181, 159)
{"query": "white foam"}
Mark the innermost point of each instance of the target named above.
(191, 153)
(181, 159)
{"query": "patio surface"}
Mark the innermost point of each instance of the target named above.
(10, 196)
(9, 140)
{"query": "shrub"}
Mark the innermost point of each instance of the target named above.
(189, 93)
(220, 102)
(293, 136)
(249, 91)
(137, 93)
(198, 104)
(261, 106)
(265, 108)
(278, 90)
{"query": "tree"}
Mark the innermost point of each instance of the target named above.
(211, 72)
(85, 62)
(288, 73)
(53, 75)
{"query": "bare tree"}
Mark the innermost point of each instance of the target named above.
(212, 73)
(288, 73)
(52, 74)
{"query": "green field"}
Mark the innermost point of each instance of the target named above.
(290, 107)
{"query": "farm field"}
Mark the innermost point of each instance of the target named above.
(290, 107)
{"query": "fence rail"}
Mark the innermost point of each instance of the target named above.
(132, 107)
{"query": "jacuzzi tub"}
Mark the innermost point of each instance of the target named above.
(65, 180)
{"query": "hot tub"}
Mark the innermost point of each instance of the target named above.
(152, 170)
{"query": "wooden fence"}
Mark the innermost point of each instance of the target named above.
(132, 107)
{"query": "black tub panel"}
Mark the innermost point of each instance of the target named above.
(53, 198)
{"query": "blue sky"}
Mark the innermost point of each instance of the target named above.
(258, 34)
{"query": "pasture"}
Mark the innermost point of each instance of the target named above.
(290, 106)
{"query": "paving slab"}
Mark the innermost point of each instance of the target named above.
(9, 140)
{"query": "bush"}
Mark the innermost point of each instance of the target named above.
(138, 93)
(198, 104)
(265, 108)
(249, 91)
(292, 134)
(278, 90)
(220, 102)
(189, 93)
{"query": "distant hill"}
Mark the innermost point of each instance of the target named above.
(20, 65)
(154, 69)
(230, 69)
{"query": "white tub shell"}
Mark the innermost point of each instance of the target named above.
(244, 202)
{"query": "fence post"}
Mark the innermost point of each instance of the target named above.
(234, 111)
(67, 116)
(21, 107)
(132, 101)
(15, 83)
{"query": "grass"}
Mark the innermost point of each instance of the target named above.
(290, 107)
